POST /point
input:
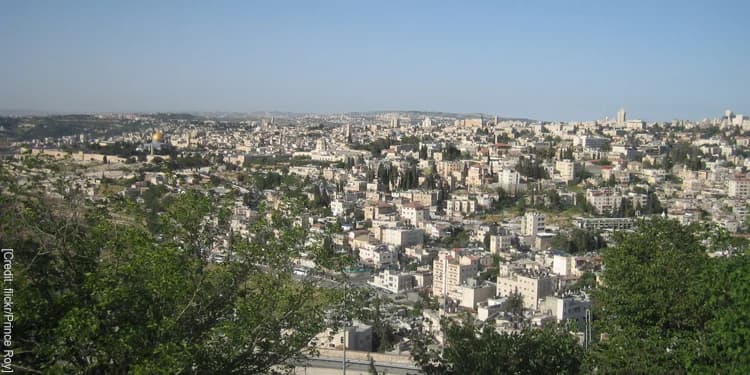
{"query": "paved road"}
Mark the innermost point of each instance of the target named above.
(326, 366)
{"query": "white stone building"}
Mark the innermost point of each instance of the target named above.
(532, 286)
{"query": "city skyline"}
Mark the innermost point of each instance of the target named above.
(414, 187)
(542, 61)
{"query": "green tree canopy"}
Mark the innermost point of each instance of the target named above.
(665, 306)
(98, 293)
(475, 349)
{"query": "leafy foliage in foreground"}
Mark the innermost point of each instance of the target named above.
(665, 307)
(100, 294)
(474, 349)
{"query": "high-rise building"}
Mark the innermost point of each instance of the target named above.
(621, 117)
(395, 122)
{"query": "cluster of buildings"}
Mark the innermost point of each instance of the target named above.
(463, 209)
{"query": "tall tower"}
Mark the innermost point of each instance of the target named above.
(395, 121)
(621, 117)
(728, 117)
(349, 133)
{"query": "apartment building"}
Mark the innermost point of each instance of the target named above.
(567, 169)
(531, 285)
(461, 205)
(402, 236)
(604, 200)
(567, 308)
(532, 223)
(394, 281)
(739, 187)
(450, 270)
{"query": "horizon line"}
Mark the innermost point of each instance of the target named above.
(38, 112)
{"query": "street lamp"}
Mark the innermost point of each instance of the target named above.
(343, 365)
(587, 332)
(345, 334)
(346, 286)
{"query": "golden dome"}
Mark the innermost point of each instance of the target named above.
(158, 136)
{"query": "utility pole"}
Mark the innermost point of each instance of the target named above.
(587, 333)
(343, 365)
(445, 301)
(445, 288)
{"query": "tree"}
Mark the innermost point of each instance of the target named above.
(514, 306)
(103, 295)
(531, 168)
(626, 208)
(370, 175)
(553, 200)
(393, 177)
(611, 181)
(578, 241)
(726, 348)
(653, 206)
(685, 153)
(521, 206)
(503, 200)
(480, 349)
(371, 369)
(423, 153)
(582, 204)
(383, 338)
(429, 181)
(586, 281)
(567, 153)
(320, 196)
(408, 178)
(654, 316)
(376, 146)
(452, 153)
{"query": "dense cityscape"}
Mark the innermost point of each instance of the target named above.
(380, 236)
(381, 188)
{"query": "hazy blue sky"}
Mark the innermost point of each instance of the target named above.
(555, 60)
